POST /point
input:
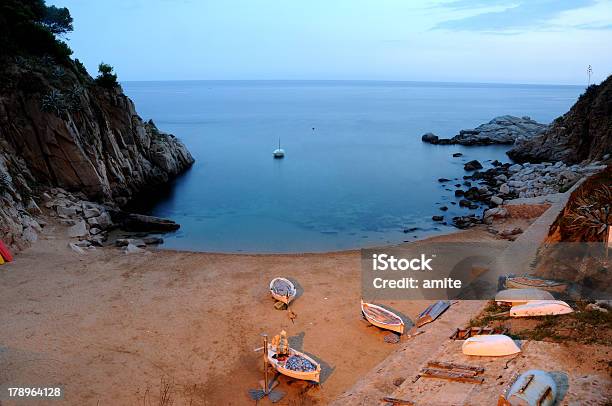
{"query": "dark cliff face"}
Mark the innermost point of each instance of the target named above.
(59, 128)
(82, 137)
(583, 133)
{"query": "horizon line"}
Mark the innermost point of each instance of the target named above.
(360, 80)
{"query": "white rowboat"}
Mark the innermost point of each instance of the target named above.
(522, 296)
(382, 318)
(494, 345)
(310, 370)
(283, 290)
(541, 308)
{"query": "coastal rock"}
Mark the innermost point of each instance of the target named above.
(430, 138)
(78, 230)
(497, 200)
(584, 133)
(140, 222)
(500, 130)
(437, 218)
(472, 165)
(457, 154)
(91, 141)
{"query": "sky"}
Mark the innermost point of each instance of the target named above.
(516, 41)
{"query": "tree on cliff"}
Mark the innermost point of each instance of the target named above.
(106, 77)
(30, 27)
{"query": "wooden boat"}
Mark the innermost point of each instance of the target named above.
(295, 365)
(522, 296)
(432, 312)
(494, 345)
(283, 290)
(541, 308)
(527, 281)
(533, 387)
(5, 253)
(382, 318)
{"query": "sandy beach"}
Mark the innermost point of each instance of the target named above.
(111, 327)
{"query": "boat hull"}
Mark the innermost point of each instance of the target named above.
(535, 283)
(522, 296)
(541, 308)
(313, 376)
(283, 298)
(494, 345)
(397, 327)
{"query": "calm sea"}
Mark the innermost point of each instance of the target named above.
(356, 173)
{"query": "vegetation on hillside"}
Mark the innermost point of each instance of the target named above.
(30, 27)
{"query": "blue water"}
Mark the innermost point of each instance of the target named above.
(358, 179)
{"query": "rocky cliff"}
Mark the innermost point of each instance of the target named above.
(583, 133)
(59, 128)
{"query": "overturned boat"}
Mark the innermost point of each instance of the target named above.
(494, 345)
(541, 308)
(382, 318)
(533, 387)
(432, 312)
(528, 281)
(522, 296)
(295, 365)
(283, 290)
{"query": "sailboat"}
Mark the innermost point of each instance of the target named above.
(279, 152)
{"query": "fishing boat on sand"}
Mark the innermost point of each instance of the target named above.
(295, 364)
(283, 290)
(382, 318)
(527, 281)
(494, 345)
(541, 308)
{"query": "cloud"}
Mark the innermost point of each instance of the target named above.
(520, 15)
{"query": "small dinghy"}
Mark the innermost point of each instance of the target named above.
(295, 365)
(522, 296)
(494, 345)
(532, 388)
(541, 308)
(527, 281)
(382, 318)
(282, 290)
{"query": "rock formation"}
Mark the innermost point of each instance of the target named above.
(500, 130)
(583, 133)
(58, 128)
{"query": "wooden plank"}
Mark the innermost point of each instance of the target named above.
(395, 401)
(451, 376)
(452, 365)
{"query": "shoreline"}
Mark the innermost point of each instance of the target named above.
(149, 316)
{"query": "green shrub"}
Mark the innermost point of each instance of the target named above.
(106, 78)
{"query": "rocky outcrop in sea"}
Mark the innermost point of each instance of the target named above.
(59, 128)
(584, 133)
(501, 130)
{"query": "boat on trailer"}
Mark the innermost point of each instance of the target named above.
(528, 281)
(283, 290)
(295, 365)
(541, 308)
(382, 318)
(494, 345)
